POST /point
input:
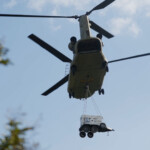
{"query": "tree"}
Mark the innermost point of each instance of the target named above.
(3, 51)
(16, 139)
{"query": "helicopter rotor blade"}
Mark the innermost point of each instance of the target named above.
(57, 85)
(101, 6)
(36, 16)
(49, 48)
(131, 57)
(100, 30)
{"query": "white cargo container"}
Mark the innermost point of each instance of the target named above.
(91, 124)
(91, 120)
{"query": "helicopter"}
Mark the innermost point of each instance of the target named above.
(89, 65)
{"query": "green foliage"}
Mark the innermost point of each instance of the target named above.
(15, 140)
(3, 51)
(4, 61)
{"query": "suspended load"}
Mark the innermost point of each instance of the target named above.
(91, 124)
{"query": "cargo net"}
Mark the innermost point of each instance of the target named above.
(91, 103)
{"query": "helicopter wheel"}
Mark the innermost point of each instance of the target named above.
(101, 91)
(71, 94)
(107, 69)
(105, 66)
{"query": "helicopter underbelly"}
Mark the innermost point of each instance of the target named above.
(89, 72)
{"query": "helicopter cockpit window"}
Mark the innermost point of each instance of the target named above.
(90, 45)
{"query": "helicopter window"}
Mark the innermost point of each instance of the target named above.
(90, 45)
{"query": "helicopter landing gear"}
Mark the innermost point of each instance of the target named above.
(101, 91)
(107, 69)
(105, 65)
(73, 69)
(71, 94)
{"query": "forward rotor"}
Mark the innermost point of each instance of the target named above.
(37, 16)
(100, 6)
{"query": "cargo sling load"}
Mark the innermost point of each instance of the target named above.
(91, 124)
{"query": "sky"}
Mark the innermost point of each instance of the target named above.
(125, 106)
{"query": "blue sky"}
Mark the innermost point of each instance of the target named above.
(126, 103)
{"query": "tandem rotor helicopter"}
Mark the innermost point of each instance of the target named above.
(89, 65)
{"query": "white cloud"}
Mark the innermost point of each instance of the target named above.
(129, 11)
(120, 25)
(55, 28)
(11, 4)
(37, 5)
(40, 4)
(126, 6)
(131, 7)
(54, 12)
(78, 4)
(134, 29)
(53, 25)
